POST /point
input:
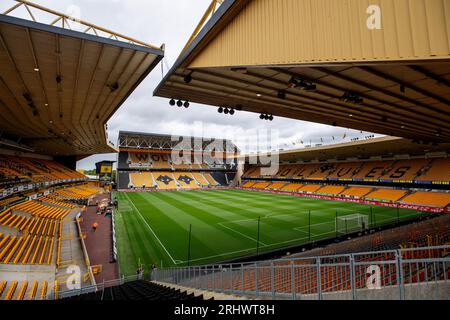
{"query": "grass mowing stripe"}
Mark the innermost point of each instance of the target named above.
(251, 216)
(173, 220)
(142, 249)
(153, 232)
(225, 222)
(197, 211)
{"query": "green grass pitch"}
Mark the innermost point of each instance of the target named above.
(153, 227)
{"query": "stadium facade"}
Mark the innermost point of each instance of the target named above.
(164, 162)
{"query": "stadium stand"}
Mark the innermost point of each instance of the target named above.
(437, 170)
(186, 180)
(292, 187)
(309, 188)
(422, 172)
(277, 185)
(200, 179)
(14, 169)
(438, 199)
(356, 191)
(141, 179)
(387, 194)
(160, 161)
(261, 185)
(388, 170)
(165, 180)
(30, 225)
(153, 167)
(210, 179)
(333, 190)
(24, 290)
(139, 290)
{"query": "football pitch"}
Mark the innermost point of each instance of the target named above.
(153, 227)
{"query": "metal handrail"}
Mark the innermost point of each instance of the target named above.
(323, 278)
(64, 22)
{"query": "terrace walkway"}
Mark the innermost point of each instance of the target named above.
(99, 243)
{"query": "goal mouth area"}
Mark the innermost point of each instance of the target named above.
(351, 223)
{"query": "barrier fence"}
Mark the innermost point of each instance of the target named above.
(99, 287)
(404, 274)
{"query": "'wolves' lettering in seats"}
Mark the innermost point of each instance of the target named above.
(142, 157)
(340, 172)
(399, 172)
(373, 173)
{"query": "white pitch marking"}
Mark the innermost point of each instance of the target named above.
(150, 228)
(242, 234)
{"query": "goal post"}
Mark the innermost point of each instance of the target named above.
(351, 223)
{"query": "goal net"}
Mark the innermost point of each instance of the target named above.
(352, 223)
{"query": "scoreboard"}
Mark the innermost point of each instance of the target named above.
(104, 170)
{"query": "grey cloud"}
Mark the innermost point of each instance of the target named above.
(171, 22)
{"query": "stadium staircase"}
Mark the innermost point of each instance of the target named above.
(140, 290)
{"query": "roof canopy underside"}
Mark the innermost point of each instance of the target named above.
(251, 52)
(388, 147)
(59, 87)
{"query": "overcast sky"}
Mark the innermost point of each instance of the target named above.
(171, 22)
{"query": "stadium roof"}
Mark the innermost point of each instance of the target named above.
(321, 63)
(156, 141)
(59, 87)
(362, 149)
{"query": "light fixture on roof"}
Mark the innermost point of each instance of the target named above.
(226, 111)
(232, 111)
(36, 69)
(265, 116)
(188, 78)
(172, 102)
(113, 87)
(310, 87)
(186, 104)
(239, 70)
(220, 110)
(179, 103)
(303, 84)
(351, 97)
(27, 97)
(281, 94)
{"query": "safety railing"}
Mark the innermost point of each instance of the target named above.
(99, 287)
(416, 273)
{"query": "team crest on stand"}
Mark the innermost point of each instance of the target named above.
(165, 179)
(185, 179)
